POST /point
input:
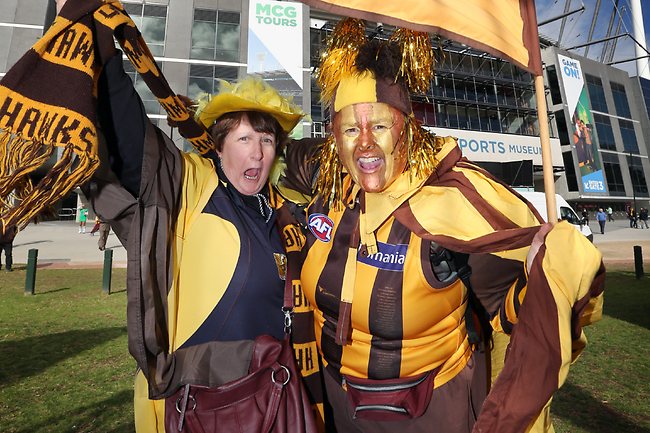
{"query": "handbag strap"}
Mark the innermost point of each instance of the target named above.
(287, 307)
(272, 409)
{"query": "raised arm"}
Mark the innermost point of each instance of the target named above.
(124, 121)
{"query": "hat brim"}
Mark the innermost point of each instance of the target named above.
(229, 103)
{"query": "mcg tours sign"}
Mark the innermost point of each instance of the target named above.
(275, 40)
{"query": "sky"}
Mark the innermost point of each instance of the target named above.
(576, 28)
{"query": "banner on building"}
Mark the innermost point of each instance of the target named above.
(275, 46)
(490, 147)
(582, 130)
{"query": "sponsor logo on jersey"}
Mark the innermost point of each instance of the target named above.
(389, 257)
(321, 226)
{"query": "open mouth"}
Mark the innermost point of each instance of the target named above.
(252, 174)
(369, 164)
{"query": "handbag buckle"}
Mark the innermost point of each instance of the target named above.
(287, 373)
(287, 319)
(181, 405)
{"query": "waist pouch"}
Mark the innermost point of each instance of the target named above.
(270, 399)
(390, 399)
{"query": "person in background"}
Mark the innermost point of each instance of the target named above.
(610, 214)
(585, 216)
(601, 217)
(104, 230)
(643, 217)
(633, 217)
(95, 227)
(6, 245)
(83, 216)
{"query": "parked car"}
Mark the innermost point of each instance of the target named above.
(564, 211)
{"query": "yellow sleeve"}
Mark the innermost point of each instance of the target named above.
(566, 274)
(149, 414)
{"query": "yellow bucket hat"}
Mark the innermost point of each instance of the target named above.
(249, 94)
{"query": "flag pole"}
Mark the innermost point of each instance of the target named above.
(545, 140)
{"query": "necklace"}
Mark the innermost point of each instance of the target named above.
(261, 198)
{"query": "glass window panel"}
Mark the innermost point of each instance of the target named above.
(572, 182)
(490, 95)
(604, 132)
(596, 93)
(556, 95)
(155, 10)
(612, 168)
(452, 116)
(202, 53)
(645, 88)
(620, 100)
(512, 123)
(205, 15)
(562, 131)
(629, 136)
(203, 35)
(638, 177)
(133, 9)
(470, 91)
(226, 56)
(483, 119)
(137, 20)
(532, 125)
(462, 117)
(197, 86)
(228, 37)
(459, 87)
(157, 50)
(507, 95)
(229, 17)
(466, 64)
(441, 115)
(505, 70)
(486, 68)
(474, 121)
(494, 124)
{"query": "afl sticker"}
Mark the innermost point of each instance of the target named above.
(321, 226)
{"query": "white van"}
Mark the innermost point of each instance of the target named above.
(564, 211)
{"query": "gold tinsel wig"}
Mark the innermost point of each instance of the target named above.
(356, 70)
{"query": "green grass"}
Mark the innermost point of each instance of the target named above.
(64, 364)
(608, 389)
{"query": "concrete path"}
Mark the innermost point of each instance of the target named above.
(60, 245)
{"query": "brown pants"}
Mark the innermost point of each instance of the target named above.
(454, 406)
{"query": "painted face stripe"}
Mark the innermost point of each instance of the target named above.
(386, 316)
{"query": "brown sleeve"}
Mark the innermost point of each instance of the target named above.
(492, 277)
(301, 157)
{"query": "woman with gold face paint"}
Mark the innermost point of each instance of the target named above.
(370, 144)
(408, 245)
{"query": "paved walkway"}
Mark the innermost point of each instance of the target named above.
(60, 245)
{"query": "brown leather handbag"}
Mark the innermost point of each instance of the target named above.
(271, 398)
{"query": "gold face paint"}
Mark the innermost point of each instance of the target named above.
(370, 144)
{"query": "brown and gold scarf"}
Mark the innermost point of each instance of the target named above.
(48, 107)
